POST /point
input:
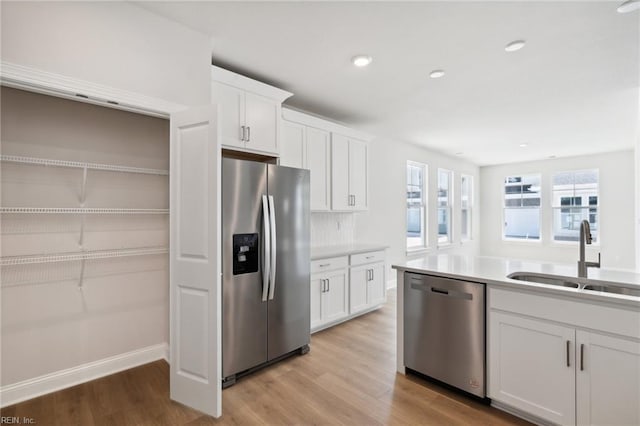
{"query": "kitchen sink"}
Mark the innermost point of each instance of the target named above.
(545, 279)
(611, 288)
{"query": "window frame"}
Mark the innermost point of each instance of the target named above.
(424, 213)
(448, 207)
(469, 208)
(505, 238)
(588, 207)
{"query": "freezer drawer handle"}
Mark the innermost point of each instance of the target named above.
(266, 249)
(274, 250)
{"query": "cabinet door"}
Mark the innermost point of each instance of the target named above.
(608, 380)
(316, 300)
(376, 287)
(531, 366)
(293, 150)
(318, 164)
(358, 174)
(261, 117)
(230, 114)
(358, 283)
(334, 301)
(340, 199)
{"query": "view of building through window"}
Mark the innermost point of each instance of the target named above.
(416, 205)
(522, 207)
(445, 179)
(575, 198)
(466, 204)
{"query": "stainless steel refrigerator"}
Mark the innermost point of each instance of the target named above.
(265, 265)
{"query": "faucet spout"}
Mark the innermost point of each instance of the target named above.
(585, 238)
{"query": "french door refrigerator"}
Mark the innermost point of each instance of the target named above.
(265, 265)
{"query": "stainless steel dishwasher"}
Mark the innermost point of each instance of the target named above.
(444, 330)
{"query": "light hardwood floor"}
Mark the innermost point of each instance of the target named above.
(348, 378)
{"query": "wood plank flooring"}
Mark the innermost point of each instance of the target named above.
(348, 378)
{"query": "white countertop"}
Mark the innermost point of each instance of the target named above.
(344, 250)
(494, 271)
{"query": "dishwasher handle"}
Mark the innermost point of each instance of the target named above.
(441, 292)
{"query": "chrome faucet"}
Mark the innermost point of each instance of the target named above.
(585, 238)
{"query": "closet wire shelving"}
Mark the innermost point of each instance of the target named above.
(82, 255)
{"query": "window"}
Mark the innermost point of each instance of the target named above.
(416, 205)
(466, 204)
(445, 177)
(522, 207)
(575, 198)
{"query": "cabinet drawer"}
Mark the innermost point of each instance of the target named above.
(369, 257)
(328, 264)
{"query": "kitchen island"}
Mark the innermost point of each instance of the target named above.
(554, 353)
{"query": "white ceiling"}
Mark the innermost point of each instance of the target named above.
(573, 89)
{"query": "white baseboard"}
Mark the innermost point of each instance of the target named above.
(28, 389)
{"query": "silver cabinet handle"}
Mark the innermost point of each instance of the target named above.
(266, 252)
(354, 200)
(242, 133)
(568, 359)
(324, 265)
(248, 133)
(321, 286)
(582, 357)
(372, 275)
(274, 248)
(328, 285)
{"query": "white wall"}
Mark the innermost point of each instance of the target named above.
(616, 199)
(385, 222)
(111, 43)
(48, 323)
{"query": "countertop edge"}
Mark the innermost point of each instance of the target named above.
(546, 289)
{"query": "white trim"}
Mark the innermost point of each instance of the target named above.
(34, 80)
(28, 389)
(245, 83)
(307, 119)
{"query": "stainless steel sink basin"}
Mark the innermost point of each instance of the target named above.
(545, 279)
(616, 289)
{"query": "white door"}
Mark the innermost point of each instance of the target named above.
(340, 196)
(377, 287)
(334, 303)
(532, 366)
(230, 114)
(358, 174)
(318, 160)
(293, 151)
(358, 283)
(316, 300)
(195, 336)
(261, 119)
(608, 380)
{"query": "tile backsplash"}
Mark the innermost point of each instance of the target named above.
(329, 229)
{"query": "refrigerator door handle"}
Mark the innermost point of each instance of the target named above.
(266, 249)
(272, 217)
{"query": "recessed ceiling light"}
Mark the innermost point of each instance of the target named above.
(524, 145)
(551, 157)
(361, 60)
(629, 6)
(459, 153)
(436, 73)
(514, 45)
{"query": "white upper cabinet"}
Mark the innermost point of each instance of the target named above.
(348, 173)
(337, 163)
(249, 111)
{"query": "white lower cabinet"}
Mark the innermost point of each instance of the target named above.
(346, 286)
(366, 287)
(329, 298)
(530, 369)
(558, 371)
(608, 380)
